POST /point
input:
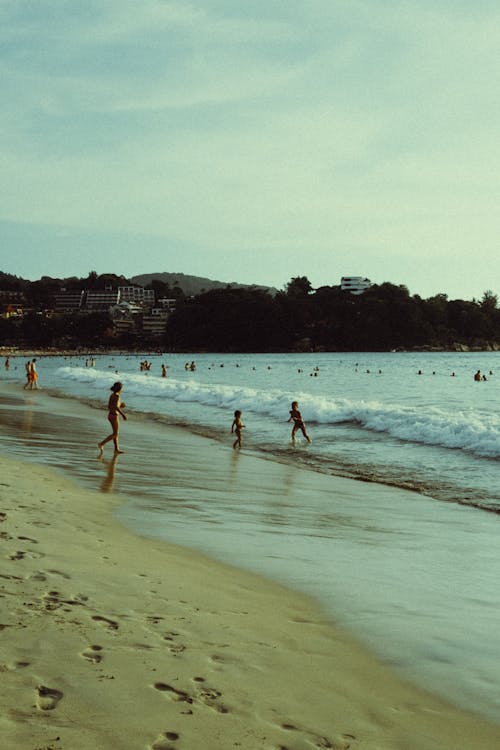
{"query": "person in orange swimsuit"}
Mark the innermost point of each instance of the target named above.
(115, 407)
(33, 375)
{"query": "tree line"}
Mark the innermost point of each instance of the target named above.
(384, 317)
(297, 318)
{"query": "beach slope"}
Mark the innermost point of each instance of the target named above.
(109, 640)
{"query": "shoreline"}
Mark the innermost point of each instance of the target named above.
(456, 348)
(114, 639)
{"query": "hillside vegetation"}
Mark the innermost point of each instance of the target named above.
(245, 318)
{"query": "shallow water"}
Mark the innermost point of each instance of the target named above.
(371, 416)
(415, 577)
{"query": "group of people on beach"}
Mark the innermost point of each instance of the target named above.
(295, 417)
(115, 409)
(116, 406)
(31, 374)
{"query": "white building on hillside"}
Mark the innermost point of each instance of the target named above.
(355, 284)
(137, 294)
(101, 300)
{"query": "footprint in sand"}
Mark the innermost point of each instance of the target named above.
(343, 742)
(51, 600)
(170, 636)
(47, 698)
(178, 695)
(59, 573)
(18, 555)
(10, 578)
(176, 648)
(205, 695)
(163, 741)
(38, 575)
(93, 654)
(111, 624)
(154, 619)
(14, 666)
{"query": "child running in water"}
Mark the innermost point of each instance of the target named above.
(115, 407)
(237, 427)
(298, 422)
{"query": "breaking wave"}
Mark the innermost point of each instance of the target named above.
(469, 431)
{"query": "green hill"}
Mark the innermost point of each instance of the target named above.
(193, 285)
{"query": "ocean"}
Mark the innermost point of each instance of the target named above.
(414, 575)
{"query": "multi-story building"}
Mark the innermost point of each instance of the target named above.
(99, 300)
(137, 294)
(167, 303)
(69, 300)
(155, 322)
(355, 284)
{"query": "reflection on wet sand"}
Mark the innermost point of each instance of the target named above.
(109, 477)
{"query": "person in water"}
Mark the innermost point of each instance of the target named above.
(298, 422)
(237, 428)
(115, 407)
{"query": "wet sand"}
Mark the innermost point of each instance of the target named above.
(112, 640)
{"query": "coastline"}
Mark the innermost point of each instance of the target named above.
(113, 640)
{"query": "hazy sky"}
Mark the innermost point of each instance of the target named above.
(253, 141)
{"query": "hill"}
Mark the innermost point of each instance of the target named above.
(193, 285)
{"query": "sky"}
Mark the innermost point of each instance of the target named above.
(253, 141)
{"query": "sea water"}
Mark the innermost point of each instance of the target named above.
(415, 576)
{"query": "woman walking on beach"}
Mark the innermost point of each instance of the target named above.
(115, 407)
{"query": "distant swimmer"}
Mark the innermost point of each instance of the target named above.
(164, 371)
(115, 407)
(298, 422)
(237, 428)
(477, 376)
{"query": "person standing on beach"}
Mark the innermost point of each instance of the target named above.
(237, 428)
(115, 407)
(31, 375)
(298, 422)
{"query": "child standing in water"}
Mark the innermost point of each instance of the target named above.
(237, 427)
(115, 407)
(298, 422)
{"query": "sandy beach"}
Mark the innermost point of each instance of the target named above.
(111, 640)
